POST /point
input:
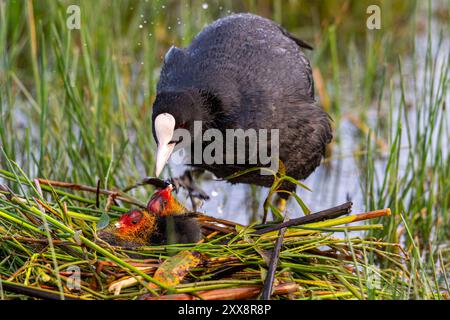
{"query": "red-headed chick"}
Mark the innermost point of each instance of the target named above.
(165, 221)
(163, 203)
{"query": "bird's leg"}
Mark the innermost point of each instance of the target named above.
(266, 206)
(193, 203)
(194, 191)
(281, 203)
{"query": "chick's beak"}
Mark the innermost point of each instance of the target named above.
(164, 128)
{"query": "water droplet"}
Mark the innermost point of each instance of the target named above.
(141, 26)
(205, 6)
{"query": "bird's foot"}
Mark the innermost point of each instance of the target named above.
(196, 194)
(281, 204)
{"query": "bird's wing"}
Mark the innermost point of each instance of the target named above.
(301, 43)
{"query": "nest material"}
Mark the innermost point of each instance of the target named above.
(44, 237)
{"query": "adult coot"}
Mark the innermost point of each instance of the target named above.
(243, 72)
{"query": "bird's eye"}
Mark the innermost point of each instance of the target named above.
(135, 221)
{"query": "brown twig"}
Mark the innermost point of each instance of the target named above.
(73, 186)
(34, 240)
(242, 293)
(214, 227)
(202, 217)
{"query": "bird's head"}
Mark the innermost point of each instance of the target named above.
(177, 110)
(163, 203)
(135, 226)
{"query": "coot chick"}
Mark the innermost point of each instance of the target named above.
(165, 221)
(243, 72)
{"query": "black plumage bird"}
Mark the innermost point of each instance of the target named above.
(243, 72)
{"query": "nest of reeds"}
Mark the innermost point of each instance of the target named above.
(50, 249)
